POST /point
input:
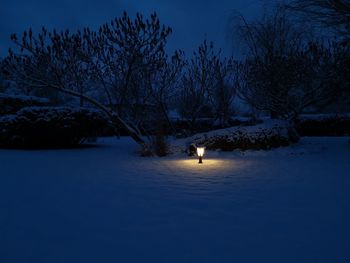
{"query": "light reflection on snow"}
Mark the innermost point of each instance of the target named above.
(213, 175)
(209, 165)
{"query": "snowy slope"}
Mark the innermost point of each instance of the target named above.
(255, 133)
(105, 204)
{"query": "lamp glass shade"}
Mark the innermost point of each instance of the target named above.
(200, 151)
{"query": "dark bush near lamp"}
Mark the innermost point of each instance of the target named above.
(50, 127)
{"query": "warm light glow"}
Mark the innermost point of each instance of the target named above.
(214, 167)
(200, 151)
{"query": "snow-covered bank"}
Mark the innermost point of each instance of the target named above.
(266, 135)
(106, 204)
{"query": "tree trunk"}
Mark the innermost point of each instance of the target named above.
(117, 121)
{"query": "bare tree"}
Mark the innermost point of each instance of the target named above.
(197, 82)
(331, 13)
(270, 67)
(282, 72)
(162, 87)
(275, 33)
(192, 100)
(111, 58)
(224, 90)
(207, 86)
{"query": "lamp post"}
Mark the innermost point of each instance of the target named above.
(200, 153)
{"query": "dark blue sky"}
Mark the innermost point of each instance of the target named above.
(191, 20)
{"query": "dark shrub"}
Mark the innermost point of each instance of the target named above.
(324, 125)
(50, 127)
(10, 104)
(270, 134)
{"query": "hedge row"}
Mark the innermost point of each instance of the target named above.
(270, 134)
(50, 127)
(10, 104)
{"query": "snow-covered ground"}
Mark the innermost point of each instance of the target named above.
(106, 204)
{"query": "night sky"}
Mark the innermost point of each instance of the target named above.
(192, 20)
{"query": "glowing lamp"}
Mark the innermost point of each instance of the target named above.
(200, 153)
